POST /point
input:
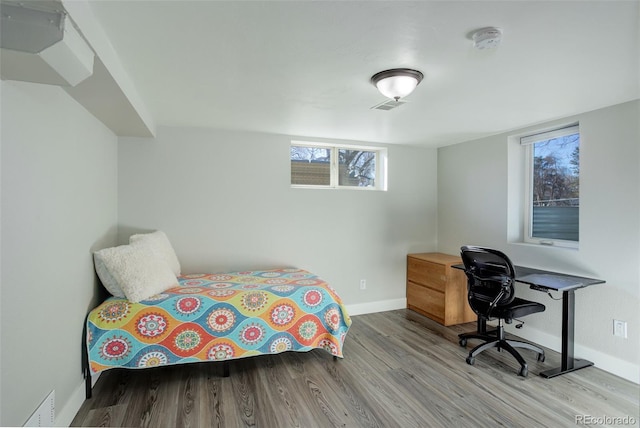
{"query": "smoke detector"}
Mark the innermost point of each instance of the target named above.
(487, 38)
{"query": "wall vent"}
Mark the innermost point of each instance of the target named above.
(45, 413)
(388, 105)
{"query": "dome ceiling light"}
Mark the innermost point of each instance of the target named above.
(397, 83)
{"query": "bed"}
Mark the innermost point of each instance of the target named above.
(217, 317)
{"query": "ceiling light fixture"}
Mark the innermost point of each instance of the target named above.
(397, 83)
(487, 38)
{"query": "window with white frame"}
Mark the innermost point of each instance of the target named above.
(318, 165)
(552, 203)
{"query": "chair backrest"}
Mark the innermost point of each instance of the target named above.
(490, 278)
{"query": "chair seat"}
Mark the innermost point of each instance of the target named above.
(517, 308)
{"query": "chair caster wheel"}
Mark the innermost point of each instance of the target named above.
(463, 342)
(524, 371)
(541, 358)
(471, 360)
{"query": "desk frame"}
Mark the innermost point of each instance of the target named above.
(569, 284)
(568, 362)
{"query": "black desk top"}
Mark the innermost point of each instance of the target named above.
(544, 279)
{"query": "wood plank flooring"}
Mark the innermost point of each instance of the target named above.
(400, 370)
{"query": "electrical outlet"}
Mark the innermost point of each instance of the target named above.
(363, 284)
(620, 328)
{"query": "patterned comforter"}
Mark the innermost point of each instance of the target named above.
(218, 317)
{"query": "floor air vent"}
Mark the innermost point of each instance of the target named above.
(45, 414)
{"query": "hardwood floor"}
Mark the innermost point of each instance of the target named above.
(400, 370)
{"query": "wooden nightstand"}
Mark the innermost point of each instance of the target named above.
(437, 290)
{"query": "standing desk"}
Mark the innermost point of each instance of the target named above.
(543, 280)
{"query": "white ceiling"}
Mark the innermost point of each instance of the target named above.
(303, 67)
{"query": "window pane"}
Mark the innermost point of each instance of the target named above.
(556, 188)
(356, 168)
(310, 165)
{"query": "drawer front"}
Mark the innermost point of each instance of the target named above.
(427, 273)
(430, 301)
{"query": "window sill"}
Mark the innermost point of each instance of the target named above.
(554, 246)
(309, 186)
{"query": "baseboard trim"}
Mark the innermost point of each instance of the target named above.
(379, 306)
(72, 406)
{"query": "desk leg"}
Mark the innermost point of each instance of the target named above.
(568, 362)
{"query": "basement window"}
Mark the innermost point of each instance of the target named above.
(552, 207)
(334, 166)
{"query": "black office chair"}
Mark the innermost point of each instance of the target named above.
(491, 295)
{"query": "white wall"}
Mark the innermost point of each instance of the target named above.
(225, 201)
(479, 185)
(59, 203)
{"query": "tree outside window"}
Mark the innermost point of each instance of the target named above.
(336, 166)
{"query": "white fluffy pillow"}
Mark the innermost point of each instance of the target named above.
(159, 243)
(105, 276)
(138, 272)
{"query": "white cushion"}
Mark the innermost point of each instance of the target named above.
(161, 246)
(108, 281)
(138, 272)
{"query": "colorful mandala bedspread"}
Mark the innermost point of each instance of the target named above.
(214, 317)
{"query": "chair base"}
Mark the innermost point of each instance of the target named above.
(498, 341)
